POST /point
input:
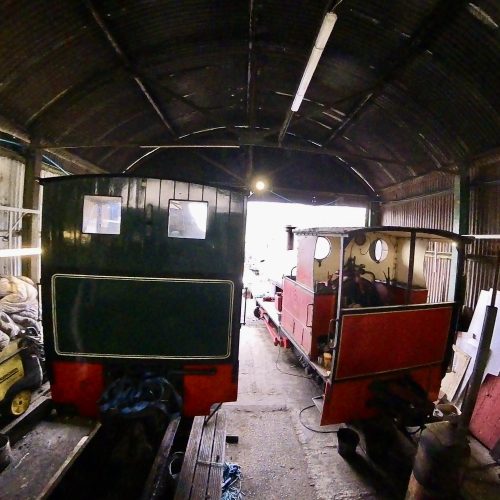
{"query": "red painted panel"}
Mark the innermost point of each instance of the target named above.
(78, 384)
(305, 260)
(416, 296)
(393, 295)
(346, 401)
(302, 307)
(324, 311)
(289, 306)
(383, 341)
(303, 320)
(307, 342)
(202, 391)
(485, 423)
(297, 310)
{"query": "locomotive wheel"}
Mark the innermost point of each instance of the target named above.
(20, 403)
(256, 312)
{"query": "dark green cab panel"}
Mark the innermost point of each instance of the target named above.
(191, 307)
(143, 247)
(142, 318)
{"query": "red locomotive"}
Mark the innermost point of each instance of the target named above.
(359, 311)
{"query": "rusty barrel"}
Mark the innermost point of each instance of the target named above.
(439, 463)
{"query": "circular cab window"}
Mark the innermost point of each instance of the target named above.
(322, 249)
(379, 250)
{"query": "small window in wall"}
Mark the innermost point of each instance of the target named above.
(323, 248)
(102, 214)
(378, 250)
(187, 219)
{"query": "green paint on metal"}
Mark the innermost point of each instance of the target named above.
(140, 317)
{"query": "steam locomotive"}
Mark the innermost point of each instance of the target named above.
(141, 287)
(372, 311)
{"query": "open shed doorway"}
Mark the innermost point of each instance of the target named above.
(266, 256)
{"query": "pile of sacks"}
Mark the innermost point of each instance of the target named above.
(18, 307)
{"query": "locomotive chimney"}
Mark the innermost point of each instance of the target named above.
(290, 237)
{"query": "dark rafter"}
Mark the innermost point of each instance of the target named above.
(251, 84)
(222, 167)
(130, 67)
(301, 117)
(137, 77)
(70, 95)
(195, 107)
(335, 152)
(431, 27)
(252, 72)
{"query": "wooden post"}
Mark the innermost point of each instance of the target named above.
(374, 214)
(461, 207)
(30, 232)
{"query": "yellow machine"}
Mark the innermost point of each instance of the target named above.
(20, 374)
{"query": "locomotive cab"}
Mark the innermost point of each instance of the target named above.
(141, 283)
(361, 310)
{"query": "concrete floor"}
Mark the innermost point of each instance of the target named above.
(282, 459)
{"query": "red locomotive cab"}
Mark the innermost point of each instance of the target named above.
(310, 298)
(359, 309)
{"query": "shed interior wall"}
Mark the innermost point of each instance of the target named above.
(436, 211)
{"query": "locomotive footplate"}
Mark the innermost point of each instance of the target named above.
(266, 310)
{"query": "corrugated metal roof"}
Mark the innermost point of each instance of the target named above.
(112, 74)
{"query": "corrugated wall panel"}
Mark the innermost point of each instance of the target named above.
(436, 212)
(11, 195)
(437, 272)
(485, 219)
(433, 212)
(434, 182)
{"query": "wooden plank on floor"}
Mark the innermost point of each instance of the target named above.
(156, 482)
(453, 379)
(42, 456)
(202, 472)
(214, 489)
(183, 490)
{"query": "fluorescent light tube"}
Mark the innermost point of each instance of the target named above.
(19, 252)
(325, 30)
(320, 43)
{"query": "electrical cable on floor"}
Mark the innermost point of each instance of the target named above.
(288, 373)
(310, 428)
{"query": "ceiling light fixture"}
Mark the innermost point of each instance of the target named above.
(260, 185)
(320, 43)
